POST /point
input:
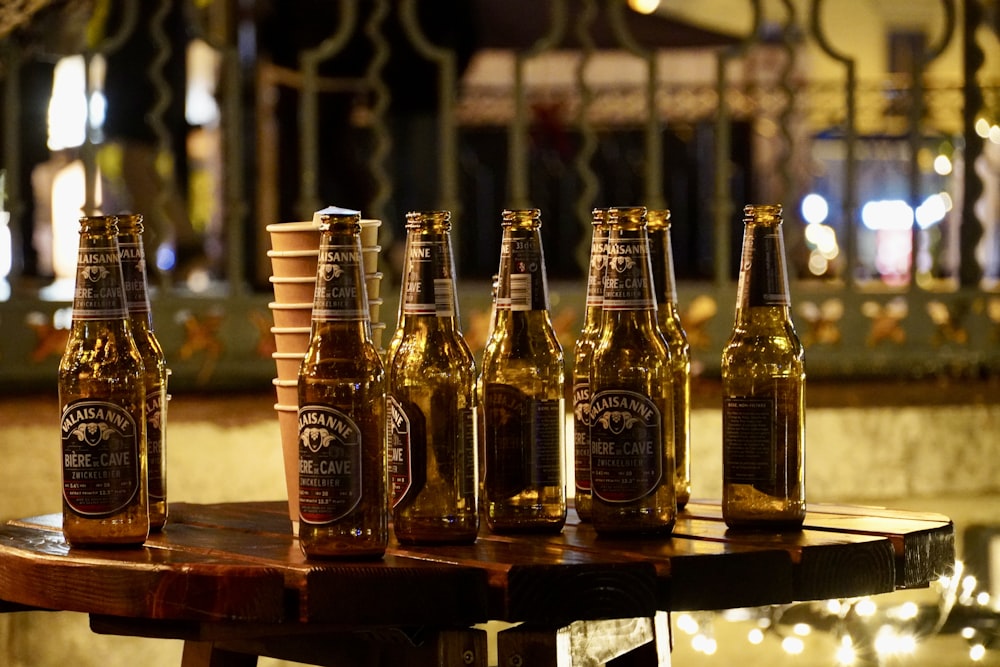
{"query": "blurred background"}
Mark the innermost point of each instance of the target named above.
(875, 123)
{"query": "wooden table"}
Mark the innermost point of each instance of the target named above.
(230, 580)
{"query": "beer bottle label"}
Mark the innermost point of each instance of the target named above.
(626, 446)
(626, 280)
(337, 286)
(598, 264)
(407, 451)
(664, 290)
(581, 434)
(544, 439)
(527, 275)
(154, 446)
(763, 268)
(467, 452)
(133, 263)
(748, 440)
(101, 465)
(507, 458)
(429, 288)
(330, 461)
(99, 293)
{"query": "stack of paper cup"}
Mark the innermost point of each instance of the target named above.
(294, 257)
(370, 250)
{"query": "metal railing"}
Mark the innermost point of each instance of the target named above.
(703, 148)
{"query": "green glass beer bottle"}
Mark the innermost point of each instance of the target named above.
(763, 389)
(343, 502)
(433, 474)
(632, 436)
(102, 396)
(523, 385)
(669, 319)
(583, 353)
(133, 261)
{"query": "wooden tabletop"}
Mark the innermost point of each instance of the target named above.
(233, 566)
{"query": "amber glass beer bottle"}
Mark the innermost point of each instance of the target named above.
(432, 398)
(523, 383)
(632, 436)
(763, 389)
(343, 504)
(133, 261)
(583, 352)
(669, 319)
(102, 396)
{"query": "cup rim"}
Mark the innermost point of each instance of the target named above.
(290, 330)
(292, 279)
(278, 382)
(276, 305)
(288, 355)
(374, 275)
(293, 253)
(279, 407)
(371, 248)
(370, 222)
(294, 226)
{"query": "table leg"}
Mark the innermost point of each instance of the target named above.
(626, 642)
(207, 654)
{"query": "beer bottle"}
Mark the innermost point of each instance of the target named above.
(763, 389)
(669, 318)
(432, 398)
(343, 504)
(133, 261)
(582, 354)
(102, 396)
(632, 436)
(523, 382)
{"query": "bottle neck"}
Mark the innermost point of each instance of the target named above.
(522, 286)
(133, 262)
(763, 281)
(429, 278)
(340, 296)
(100, 291)
(662, 262)
(595, 277)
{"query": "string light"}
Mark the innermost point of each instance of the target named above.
(864, 627)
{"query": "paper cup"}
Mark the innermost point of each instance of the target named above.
(288, 421)
(369, 255)
(291, 314)
(294, 236)
(287, 364)
(291, 339)
(373, 284)
(294, 263)
(287, 391)
(369, 232)
(378, 328)
(293, 290)
(375, 309)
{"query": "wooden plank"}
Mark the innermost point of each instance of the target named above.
(825, 564)
(923, 543)
(535, 581)
(38, 568)
(694, 574)
(392, 590)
